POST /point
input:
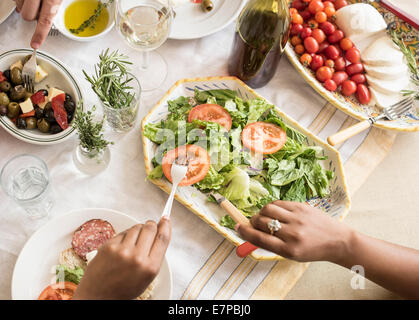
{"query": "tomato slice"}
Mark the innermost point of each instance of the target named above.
(263, 137)
(59, 291)
(211, 113)
(198, 161)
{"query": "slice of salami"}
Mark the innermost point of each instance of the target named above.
(90, 236)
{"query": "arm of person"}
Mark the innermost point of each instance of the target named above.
(307, 234)
(126, 265)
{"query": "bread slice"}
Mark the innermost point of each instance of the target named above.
(70, 259)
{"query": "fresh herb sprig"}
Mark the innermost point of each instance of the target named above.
(90, 132)
(91, 21)
(111, 80)
(411, 63)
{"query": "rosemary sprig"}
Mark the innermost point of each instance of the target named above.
(111, 81)
(411, 63)
(91, 21)
(89, 132)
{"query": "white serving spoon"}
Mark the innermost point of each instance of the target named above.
(178, 172)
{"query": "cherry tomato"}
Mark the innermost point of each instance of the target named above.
(327, 27)
(363, 94)
(263, 137)
(293, 11)
(329, 63)
(323, 45)
(306, 32)
(336, 36)
(340, 64)
(346, 44)
(340, 4)
(298, 4)
(319, 35)
(311, 45)
(306, 14)
(324, 73)
(296, 29)
(313, 24)
(320, 16)
(330, 85)
(315, 6)
(348, 87)
(306, 1)
(316, 62)
(296, 40)
(328, 4)
(299, 49)
(306, 59)
(332, 52)
(339, 76)
(354, 68)
(359, 78)
(323, 56)
(296, 18)
(329, 11)
(353, 55)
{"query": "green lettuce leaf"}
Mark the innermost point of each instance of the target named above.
(65, 273)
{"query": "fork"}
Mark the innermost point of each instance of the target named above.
(53, 32)
(29, 72)
(178, 172)
(392, 112)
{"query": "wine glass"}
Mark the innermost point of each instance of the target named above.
(145, 26)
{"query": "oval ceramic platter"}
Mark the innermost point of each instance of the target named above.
(336, 205)
(349, 105)
(58, 76)
(36, 264)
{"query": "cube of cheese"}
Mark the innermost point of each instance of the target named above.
(40, 75)
(53, 92)
(26, 106)
(17, 64)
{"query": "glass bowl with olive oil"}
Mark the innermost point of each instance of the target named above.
(85, 20)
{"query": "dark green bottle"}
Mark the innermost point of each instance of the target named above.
(261, 35)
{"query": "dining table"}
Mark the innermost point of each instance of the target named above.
(381, 168)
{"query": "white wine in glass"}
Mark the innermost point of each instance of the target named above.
(145, 26)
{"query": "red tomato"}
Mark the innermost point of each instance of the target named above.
(299, 48)
(340, 63)
(348, 87)
(354, 68)
(198, 161)
(336, 36)
(359, 78)
(353, 55)
(329, 11)
(327, 27)
(295, 40)
(315, 6)
(346, 44)
(323, 45)
(328, 4)
(306, 32)
(340, 4)
(319, 35)
(298, 4)
(311, 45)
(316, 62)
(324, 73)
(320, 16)
(60, 113)
(329, 63)
(330, 85)
(296, 18)
(38, 97)
(59, 291)
(263, 137)
(306, 59)
(363, 94)
(313, 24)
(306, 14)
(211, 113)
(332, 52)
(339, 76)
(296, 29)
(2, 77)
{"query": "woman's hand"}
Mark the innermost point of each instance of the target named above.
(306, 233)
(43, 11)
(126, 265)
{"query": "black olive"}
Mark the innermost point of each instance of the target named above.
(43, 125)
(47, 107)
(55, 128)
(45, 92)
(68, 97)
(39, 113)
(49, 115)
(69, 106)
(21, 123)
(70, 117)
(3, 110)
(7, 75)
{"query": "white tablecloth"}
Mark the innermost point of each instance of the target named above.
(123, 186)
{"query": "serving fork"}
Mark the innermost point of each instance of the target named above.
(29, 73)
(392, 112)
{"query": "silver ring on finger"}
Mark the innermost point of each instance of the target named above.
(273, 226)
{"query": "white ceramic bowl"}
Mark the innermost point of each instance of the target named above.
(59, 77)
(59, 23)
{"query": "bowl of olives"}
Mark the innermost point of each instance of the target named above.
(44, 116)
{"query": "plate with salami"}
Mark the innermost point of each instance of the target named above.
(36, 266)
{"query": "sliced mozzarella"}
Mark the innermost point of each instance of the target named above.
(388, 86)
(26, 106)
(386, 72)
(53, 92)
(17, 64)
(384, 100)
(382, 52)
(40, 75)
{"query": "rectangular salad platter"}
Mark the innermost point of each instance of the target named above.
(336, 203)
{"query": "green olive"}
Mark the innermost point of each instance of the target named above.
(207, 5)
(4, 99)
(16, 76)
(43, 125)
(31, 123)
(5, 86)
(13, 110)
(17, 93)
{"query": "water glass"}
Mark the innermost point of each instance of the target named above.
(25, 179)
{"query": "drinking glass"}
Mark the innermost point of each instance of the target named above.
(25, 179)
(145, 26)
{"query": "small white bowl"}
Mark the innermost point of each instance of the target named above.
(60, 25)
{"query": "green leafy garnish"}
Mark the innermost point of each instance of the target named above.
(91, 21)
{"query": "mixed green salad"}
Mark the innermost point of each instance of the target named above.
(248, 179)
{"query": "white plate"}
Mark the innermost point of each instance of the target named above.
(192, 22)
(6, 9)
(58, 76)
(35, 266)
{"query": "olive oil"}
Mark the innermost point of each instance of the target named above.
(81, 10)
(260, 39)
